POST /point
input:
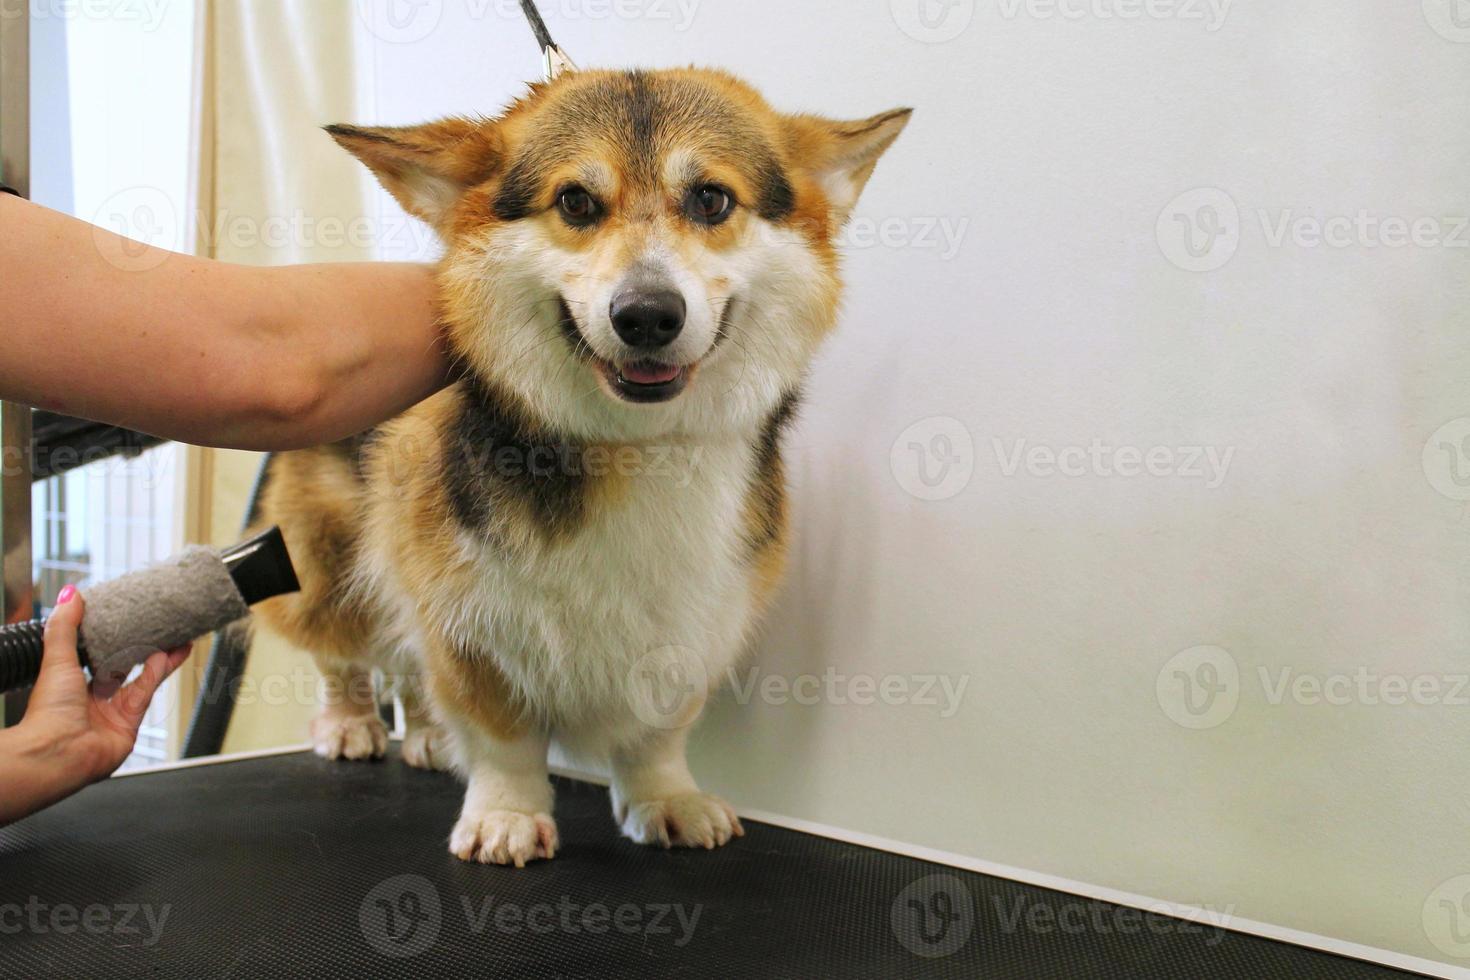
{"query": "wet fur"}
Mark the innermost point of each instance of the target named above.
(512, 549)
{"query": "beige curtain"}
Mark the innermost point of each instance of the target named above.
(273, 189)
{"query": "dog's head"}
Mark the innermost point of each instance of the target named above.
(636, 253)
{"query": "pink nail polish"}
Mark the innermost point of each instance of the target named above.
(66, 595)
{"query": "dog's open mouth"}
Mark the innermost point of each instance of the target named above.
(642, 381)
(646, 381)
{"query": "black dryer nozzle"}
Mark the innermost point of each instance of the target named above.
(261, 567)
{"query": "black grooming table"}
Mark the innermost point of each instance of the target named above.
(290, 866)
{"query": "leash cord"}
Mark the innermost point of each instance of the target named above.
(538, 26)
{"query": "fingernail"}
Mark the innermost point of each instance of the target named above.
(67, 595)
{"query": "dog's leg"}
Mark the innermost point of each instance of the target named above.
(425, 744)
(507, 808)
(348, 725)
(656, 801)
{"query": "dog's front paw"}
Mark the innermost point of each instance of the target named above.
(336, 736)
(687, 820)
(504, 837)
(426, 748)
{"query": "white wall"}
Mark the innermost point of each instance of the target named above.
(1332, 543)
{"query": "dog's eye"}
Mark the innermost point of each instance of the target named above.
(710, 204)
(577, 207)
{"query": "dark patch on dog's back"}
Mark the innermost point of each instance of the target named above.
(500, 467)
(768, 484)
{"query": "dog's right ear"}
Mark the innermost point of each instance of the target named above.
(427, 168)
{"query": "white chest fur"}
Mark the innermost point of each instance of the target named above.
(654, 588)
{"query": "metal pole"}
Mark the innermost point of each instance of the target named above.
(15, 420)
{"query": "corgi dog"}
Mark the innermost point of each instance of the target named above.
(577, 538)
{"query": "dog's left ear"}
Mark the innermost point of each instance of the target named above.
(842, 155)
(427, 168)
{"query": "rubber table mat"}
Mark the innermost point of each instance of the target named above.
(290, 866)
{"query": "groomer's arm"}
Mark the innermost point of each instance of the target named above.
(97, 326)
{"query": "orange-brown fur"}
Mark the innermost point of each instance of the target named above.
(313, 496)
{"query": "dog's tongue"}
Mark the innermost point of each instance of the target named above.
(648, 373)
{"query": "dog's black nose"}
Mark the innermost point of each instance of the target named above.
(648, 317)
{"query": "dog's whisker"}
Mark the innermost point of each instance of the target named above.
(738, 334)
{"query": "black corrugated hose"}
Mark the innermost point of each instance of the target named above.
(21, 648)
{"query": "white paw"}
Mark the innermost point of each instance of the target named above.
(687, 820)
(426, 748)
(504, 837)
(336, 736)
